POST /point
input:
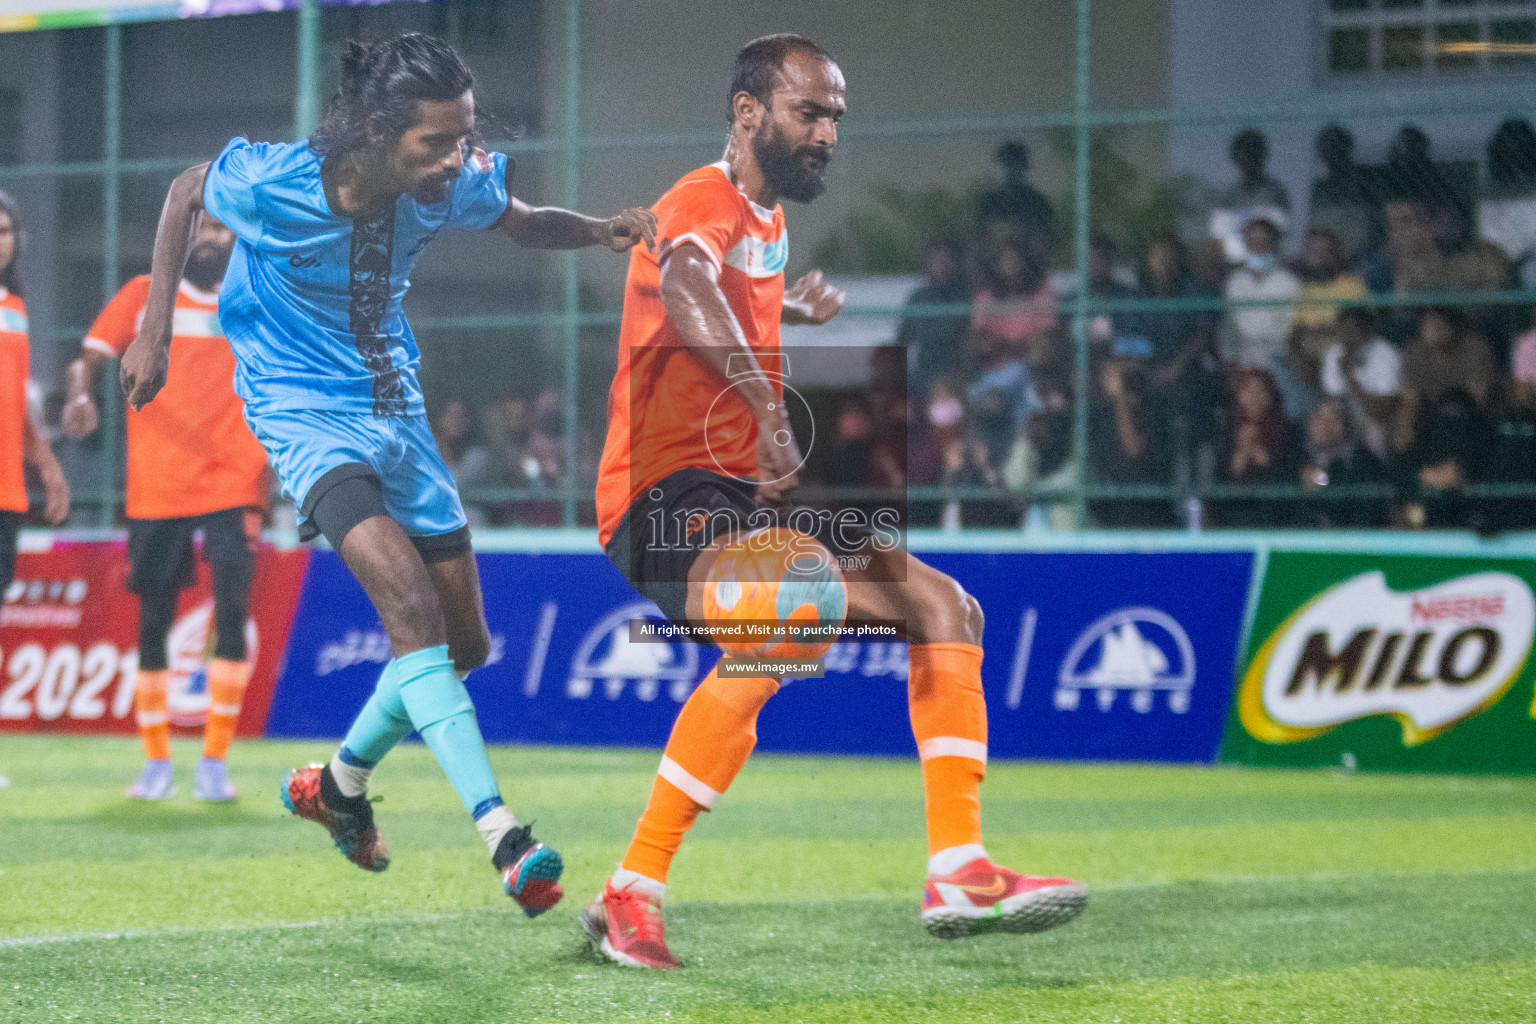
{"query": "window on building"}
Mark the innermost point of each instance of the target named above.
(1363, 38)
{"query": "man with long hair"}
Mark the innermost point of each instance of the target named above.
(327, 232)
(192, 466)
(699, 433)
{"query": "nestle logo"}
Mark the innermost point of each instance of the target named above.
(301, 262)
(1461, 609)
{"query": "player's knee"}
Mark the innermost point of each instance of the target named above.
(470, 650)
(412, 615)
(946, 613)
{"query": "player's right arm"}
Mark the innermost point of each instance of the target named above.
(690, 290)
(147, 360)
(108, 338)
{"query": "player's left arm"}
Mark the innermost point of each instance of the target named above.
(550, 227)
(811, 301)
(36, 450)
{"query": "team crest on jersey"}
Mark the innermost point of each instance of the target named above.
(757, 258)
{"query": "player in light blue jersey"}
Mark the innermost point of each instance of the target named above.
(327, 233)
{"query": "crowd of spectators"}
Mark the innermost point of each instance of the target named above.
(1365, 369)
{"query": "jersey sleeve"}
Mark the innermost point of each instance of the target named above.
(117, 324)
(706, 213)
(229, 194)
(480, 194)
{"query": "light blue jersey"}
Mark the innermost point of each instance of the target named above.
(311, 300)
(311, 305)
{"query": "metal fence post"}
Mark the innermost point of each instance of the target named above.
(570, 332)
(1080, 103)
(306, 100)
(112, 405)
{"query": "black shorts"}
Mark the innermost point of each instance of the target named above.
(10, 527)
(661, 535)
(160, 555)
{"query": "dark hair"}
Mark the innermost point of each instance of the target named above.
(1250, 142)
(1512, 152)
(381, 84)
(1013, 154)
(9, 279)
(757, 66)
(1361, 316)
(1455, 318)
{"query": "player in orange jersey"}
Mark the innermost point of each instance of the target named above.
(700, 446)
(192, 465)
(21, 440)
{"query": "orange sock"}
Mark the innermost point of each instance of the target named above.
(710, 741)
(949, 721)
(149, 689)
(226, 689)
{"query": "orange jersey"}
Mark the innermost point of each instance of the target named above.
(189, 450)
(667, 410)
(14, 367)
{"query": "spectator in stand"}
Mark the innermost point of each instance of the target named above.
(1335, 458)
(1015, 309)
(1507, 213)
(1257, 330)
(544, 458)
(463, 453)
(935, 341)
(1364, 371)
(1411, 173)
(1016, 208)
(1255, 194)
(1261, 448)
(1450, 451)
(1105, 328)
(1326, 281)
(941, 424)
(1523, 366)
(1512, 456)
(509, 424)
(1443, 357)
(1164, 274)
(1127, 443)
(892, 427)
(1345, 200)
(848, 461)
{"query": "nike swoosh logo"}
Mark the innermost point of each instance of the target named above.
(997, 888)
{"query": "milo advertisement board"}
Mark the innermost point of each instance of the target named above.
(1389, 662)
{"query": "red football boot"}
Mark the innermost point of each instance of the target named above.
(352, 830)
(626, 925)
(530, 871)
(983, 897)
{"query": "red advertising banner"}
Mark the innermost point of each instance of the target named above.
(69, 640)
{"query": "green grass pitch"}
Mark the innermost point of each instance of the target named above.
(1218, 895)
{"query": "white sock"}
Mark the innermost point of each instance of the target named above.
(350, 779)
(494, 824)
(625, 877)
(947, 862)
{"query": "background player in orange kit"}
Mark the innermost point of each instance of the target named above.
(699, 434)
(192, 465)
(20, 439)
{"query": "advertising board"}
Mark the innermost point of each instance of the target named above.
(69, 640)
(1389, 662)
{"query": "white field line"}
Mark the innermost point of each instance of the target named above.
(149, 933)
(22, 941)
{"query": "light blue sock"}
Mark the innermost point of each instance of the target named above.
(381, 724)
(439, 707)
